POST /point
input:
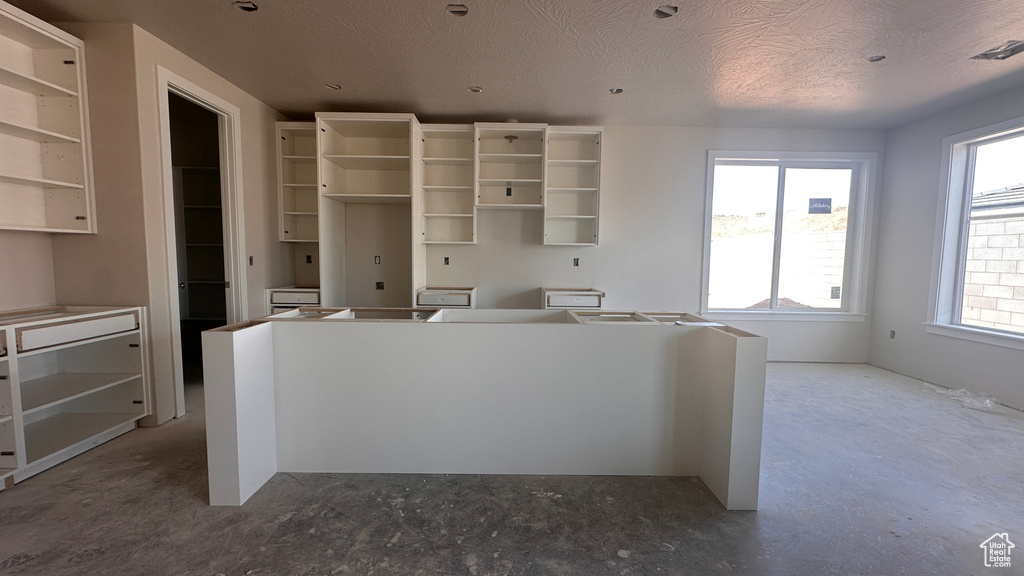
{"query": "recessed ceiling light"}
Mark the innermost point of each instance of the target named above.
(245, 6)
(475, 89)
(457, 10)
(333, 86)
(615, 90)
(1002, 52)
(666, 11)
(876, 58)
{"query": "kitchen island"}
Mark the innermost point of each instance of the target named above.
(477, 391)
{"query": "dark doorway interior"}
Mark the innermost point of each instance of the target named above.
(198, 217)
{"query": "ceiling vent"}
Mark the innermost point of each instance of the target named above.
(1002, 52)
(666, 11)
(457, 10)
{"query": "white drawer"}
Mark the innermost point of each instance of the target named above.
(555, 298)
(74, 330)
(294, 297)
(442, 299)
(446, 297)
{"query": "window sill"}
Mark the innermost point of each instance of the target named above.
(981, 335)
(777, 316)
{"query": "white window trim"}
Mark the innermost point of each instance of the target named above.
(951, 217)
(859, 239)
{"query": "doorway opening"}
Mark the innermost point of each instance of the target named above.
(199, 229)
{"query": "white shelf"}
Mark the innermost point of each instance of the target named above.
(449, 161)
(510, 181)
(39, 182)
(448, 188)
(435, 215)
(35, 134)
(370, 198)
(511, 206)
(510, 158)
(6, 419)
(57, 388)
(299, 185)
(32, 85)
(64, 430)
(573, 163)
(357, 162)
(572, 189)
(570, 217)
(300, 213)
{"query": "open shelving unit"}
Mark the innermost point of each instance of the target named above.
(75, 377)
(203, 260)
(296, 182)
(367, 170)
(8, 450)
(572, 198)
(449, 208)
(510, 165)
(45, 163)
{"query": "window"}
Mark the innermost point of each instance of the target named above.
(785, 234)
(981, 275)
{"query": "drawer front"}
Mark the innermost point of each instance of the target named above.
(442, 299)
(556, 300)
(294, 298)
(37, 337)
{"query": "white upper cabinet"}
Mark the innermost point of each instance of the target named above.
(296, 182)
(510, 165)
(573, 185)
(45, 159)
(449, 206)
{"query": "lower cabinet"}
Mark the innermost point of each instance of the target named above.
(571, 298)
(445, 297)
(72, 378)
(289, 297)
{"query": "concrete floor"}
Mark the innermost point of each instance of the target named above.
(863, 472)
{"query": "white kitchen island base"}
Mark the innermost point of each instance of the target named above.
(483, 392)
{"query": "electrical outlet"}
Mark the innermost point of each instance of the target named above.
(445, 260)
(309, 258)
(508, 191)
(250, 260)
(376, 259)
(575, 261)
(380, 285)
(892, 334)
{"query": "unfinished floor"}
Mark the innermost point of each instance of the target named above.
(863, 472)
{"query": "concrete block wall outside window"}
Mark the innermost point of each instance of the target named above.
(993, 295)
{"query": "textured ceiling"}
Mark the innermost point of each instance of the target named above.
(717, 62)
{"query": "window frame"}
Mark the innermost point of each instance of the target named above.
(858, 236)
(945, 301)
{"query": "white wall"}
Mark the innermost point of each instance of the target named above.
(26, 270)
(108, 268)
(651, 244)
(909, 200)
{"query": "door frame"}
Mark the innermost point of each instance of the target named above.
(230, 149)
